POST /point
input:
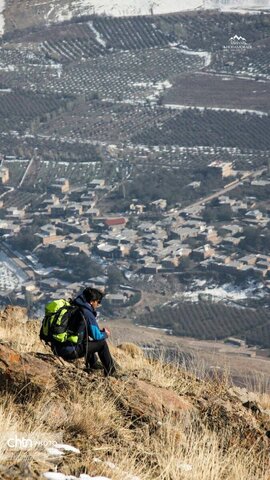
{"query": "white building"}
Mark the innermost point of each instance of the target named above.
(4, 175)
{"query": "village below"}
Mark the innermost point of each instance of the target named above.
(135, 158)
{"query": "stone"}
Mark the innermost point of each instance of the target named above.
(145, 401)
(22, 372)
(253, 406)
(131, 349)
(14, 315)
(242, 394)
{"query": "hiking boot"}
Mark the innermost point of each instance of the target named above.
(96, 366)
(89, 370)
(92, 370)
(118, 375)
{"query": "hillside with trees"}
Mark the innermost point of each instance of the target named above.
(209, 321)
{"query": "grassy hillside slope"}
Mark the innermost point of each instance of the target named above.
(162, 422)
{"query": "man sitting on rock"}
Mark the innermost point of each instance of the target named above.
(92, 340)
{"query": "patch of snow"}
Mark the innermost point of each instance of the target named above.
(242, 111)
(54, 452)
(62, 476)
(163, 85)
(142, 7)
(128, 7)
(206, 55)
(142, 84)
(64, 14)
(54, 476)
(84, 476)
(185, 467)
(50, 11)
(98, 35)
(2, 18)
(244, 10)
(225, 292)
(7, 68)
(112, 466)
(67, 448)
(166, 330)
(199, 283)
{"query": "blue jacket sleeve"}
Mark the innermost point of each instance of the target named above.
(94, 330)
(97, 334)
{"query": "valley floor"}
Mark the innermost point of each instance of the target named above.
(205, 356)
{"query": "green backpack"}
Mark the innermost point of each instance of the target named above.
(57, 323)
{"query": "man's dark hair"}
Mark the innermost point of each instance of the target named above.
(93, 294)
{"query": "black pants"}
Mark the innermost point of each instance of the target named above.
(71, 352)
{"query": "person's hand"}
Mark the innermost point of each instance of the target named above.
(106, 330)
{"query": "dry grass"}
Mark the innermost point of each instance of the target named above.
(23, 337)
(21, 431)
(95, 415)
(190, 378)
(260, 385)
(202, 453)
(100, 431)
(264, 400)
(90, 419)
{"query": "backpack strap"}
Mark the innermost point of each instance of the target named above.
(87, 339)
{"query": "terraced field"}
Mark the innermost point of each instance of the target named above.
(18, 109)
(128, 76)
(99, 80)
(253, 63)
(202, 321)
(194, 127)
(105, 121)
(45, 173)
(211, 30)
(16, 170)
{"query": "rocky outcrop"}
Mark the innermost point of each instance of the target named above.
(36, 372)
(227, 413)
(144, 401)
(13, 315)
(23, 372)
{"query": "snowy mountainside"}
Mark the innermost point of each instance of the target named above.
(16, 16)
(54, 11)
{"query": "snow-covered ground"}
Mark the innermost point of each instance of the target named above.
(140, 7)
(11, 277)
(2, 20)
(217, 109)
(226, 292)
(99, 37)
(129, 7)
(207, 56)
